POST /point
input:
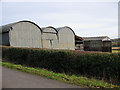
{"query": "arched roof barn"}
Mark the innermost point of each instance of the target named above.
(21, 34)
(28, 34)
(49, 37)
(66, 38)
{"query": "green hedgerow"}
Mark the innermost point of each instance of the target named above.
(103, 66)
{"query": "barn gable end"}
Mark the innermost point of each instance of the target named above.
(66, 38)
(50, 38)
(22, 34)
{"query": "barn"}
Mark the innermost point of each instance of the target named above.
(49, 38)
(28, 34)
(21, 34)
(66, 38)
(102, 43)
(78, 43)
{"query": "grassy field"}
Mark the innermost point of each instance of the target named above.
(71, 79)
(115, 51)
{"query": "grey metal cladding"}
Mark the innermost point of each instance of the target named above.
(5, 39)
(59, 28)
(6, 28)
(49, 37)
(21, 34)
(12, 34)
(44, 28)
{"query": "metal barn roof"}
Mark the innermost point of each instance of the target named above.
(59, 28)
(49, 27)
(103, 38)
(6, 28)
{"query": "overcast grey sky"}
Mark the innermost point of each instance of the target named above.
(85, 18)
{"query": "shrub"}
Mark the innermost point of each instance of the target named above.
(99, 65)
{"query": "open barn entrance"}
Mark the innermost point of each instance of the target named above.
(78, 43)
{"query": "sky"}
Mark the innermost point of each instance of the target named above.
(87, 19)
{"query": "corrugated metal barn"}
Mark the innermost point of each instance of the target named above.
(66, 38)
(21, 34)
(102, 43)
(50, 38)
(29, 34)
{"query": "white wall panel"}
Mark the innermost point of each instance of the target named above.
(25, 34)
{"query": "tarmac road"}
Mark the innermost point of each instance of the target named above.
(17, 79)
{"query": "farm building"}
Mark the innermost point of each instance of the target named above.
(102, 43)
(79, 43)
(66, 38)
(49, 37)
(28, 34)
(21, 34)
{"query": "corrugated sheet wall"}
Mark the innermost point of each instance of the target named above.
(25, 35)
(50, 39)
(66, 39)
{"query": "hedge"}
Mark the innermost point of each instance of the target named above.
(103, 66)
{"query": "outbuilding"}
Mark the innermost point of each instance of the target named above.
(102, 43)
(21, 34)
(78, 43)
(30, 35)
(66, 38)
(49, 38)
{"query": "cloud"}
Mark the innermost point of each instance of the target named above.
(111, 31)
(85, 26)
(86, 19)
(107, 20)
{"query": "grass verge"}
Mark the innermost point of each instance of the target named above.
(73, 79)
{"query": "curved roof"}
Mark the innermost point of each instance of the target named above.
(49, 27)
(58, 29)
(6, 28)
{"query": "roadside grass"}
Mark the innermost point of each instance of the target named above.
(72, 79)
